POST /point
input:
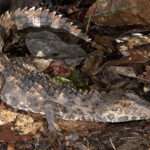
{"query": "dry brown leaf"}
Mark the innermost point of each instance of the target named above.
(9, 136)
(120, 12)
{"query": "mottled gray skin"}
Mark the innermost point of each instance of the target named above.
(24, 88)
(27, 89)
(21, 19)
(46, 44)
(52, 46)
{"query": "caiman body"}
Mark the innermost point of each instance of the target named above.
(23, 87)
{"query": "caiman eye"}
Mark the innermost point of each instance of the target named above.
(55, 54)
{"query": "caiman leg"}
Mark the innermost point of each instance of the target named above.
(52, 126)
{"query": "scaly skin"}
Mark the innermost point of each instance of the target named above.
(24, 88)
(27, 89)
(30, 17)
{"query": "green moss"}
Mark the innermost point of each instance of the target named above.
(76, 79)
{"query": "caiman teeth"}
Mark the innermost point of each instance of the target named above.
(54, 13)
(25, 9)
(60, 15)
(86, 92)
(32, 9)
(71, 23)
